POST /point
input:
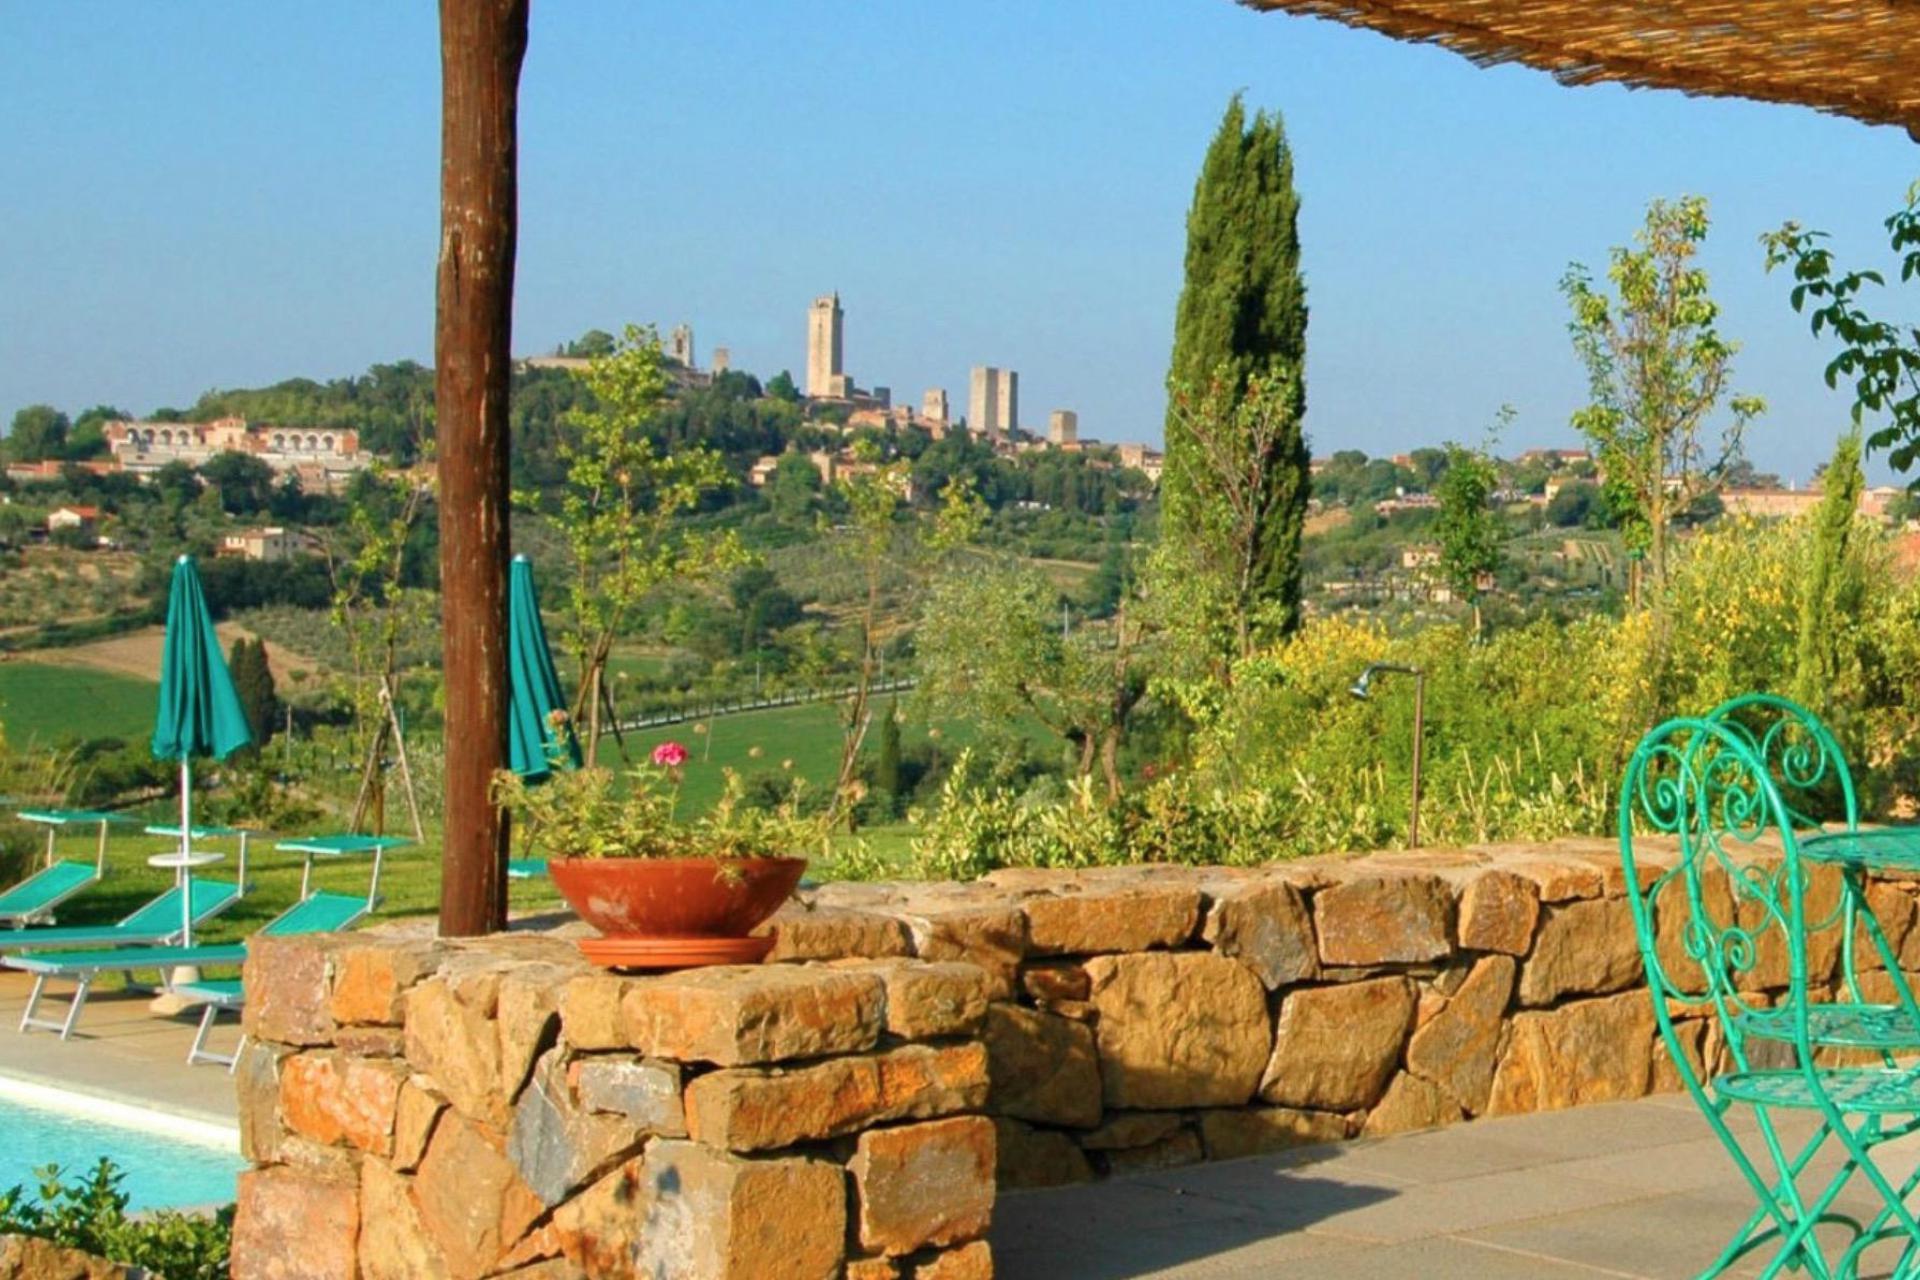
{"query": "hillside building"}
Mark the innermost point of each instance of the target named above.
(323, 458)
(266, 544)
(1063, 428)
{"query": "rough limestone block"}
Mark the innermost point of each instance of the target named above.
(710, 1215)
(1498, 911)
(339, 1100)
(924, 1185)
(644, 1090)
(590, 1018)
(286, 980)
(1582, 948)
(598, 1230)
(756, 1109)
(1179, 1029)
(753, 1014)
(1179, 1148)
(369, 980)
(1092, 922)
(803, 932)
(1455, 1048)
(1233, 1132)
(30, 1258)
(414, 1117)
(1559, 879)
(1336, 1047)
(472, 1205)
(968, 1262)
(1049, 982)
(1394, 919)
(1410, 1104)
(930, 999)
(1131, 1129)
(393, 1243)
(256, 1080)
(557, 1146)
(992, 937)
(1044, 1068)
(1588, 1051)
(295, 1225)
(1027, 1157)
(451, 1038)
(527, 1018)
(1266, 927)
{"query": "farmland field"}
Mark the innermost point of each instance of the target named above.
(49, 703)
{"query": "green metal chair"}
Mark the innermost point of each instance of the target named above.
(1736, 889)
(1809, 770)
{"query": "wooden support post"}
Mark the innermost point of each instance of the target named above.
(482, 43)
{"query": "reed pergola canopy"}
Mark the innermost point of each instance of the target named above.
(1858, 58)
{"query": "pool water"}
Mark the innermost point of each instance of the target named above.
(168, 1162)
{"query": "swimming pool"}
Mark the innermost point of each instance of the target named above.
(170, 1161)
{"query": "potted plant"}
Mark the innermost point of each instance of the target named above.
(665, 892)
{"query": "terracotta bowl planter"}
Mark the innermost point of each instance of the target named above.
(674, 913)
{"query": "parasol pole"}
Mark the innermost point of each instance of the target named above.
(182, 878)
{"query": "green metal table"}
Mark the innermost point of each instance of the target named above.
(1875, 849)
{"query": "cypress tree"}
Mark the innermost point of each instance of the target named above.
(1242, 315)
(1831, 590)
(253, 681)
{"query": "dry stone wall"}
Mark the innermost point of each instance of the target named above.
(415, 1108)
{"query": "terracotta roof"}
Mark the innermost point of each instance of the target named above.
(1858, 58)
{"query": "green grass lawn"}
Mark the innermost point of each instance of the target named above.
(47, 703)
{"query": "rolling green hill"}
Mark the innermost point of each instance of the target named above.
(51, 703)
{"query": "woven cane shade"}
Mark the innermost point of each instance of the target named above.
(1858, 58)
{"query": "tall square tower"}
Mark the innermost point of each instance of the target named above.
(825, 326)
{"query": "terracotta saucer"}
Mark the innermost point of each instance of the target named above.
(673, 953)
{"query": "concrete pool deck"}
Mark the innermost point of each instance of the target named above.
(1639, 1190)
(120, 1051)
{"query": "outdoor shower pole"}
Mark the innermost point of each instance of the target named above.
(482, 45)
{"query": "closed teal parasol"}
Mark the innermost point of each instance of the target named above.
(200, 712)
(536, 736)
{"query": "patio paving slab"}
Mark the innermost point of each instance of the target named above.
(119, 1051)
(1638, 1190)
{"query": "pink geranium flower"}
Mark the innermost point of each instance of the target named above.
(669, 755)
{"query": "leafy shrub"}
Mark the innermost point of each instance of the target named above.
(90, 1214)
(1525, 736)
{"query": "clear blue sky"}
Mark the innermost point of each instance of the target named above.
(224, 194)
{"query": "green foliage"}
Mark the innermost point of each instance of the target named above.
(253, 681)
(90, 1214)
(1230, 553)
(38, 431)
(1527, 731)
(596, 813)
(621, 509)
(1881, 357)
(1657, 369)
(1242, 319)
(1470, 531)
(781, 387)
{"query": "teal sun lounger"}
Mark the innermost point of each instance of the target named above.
(33, 900)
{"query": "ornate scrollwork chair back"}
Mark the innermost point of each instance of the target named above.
(1718, 890)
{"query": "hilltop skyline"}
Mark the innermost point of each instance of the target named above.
(238, 198)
